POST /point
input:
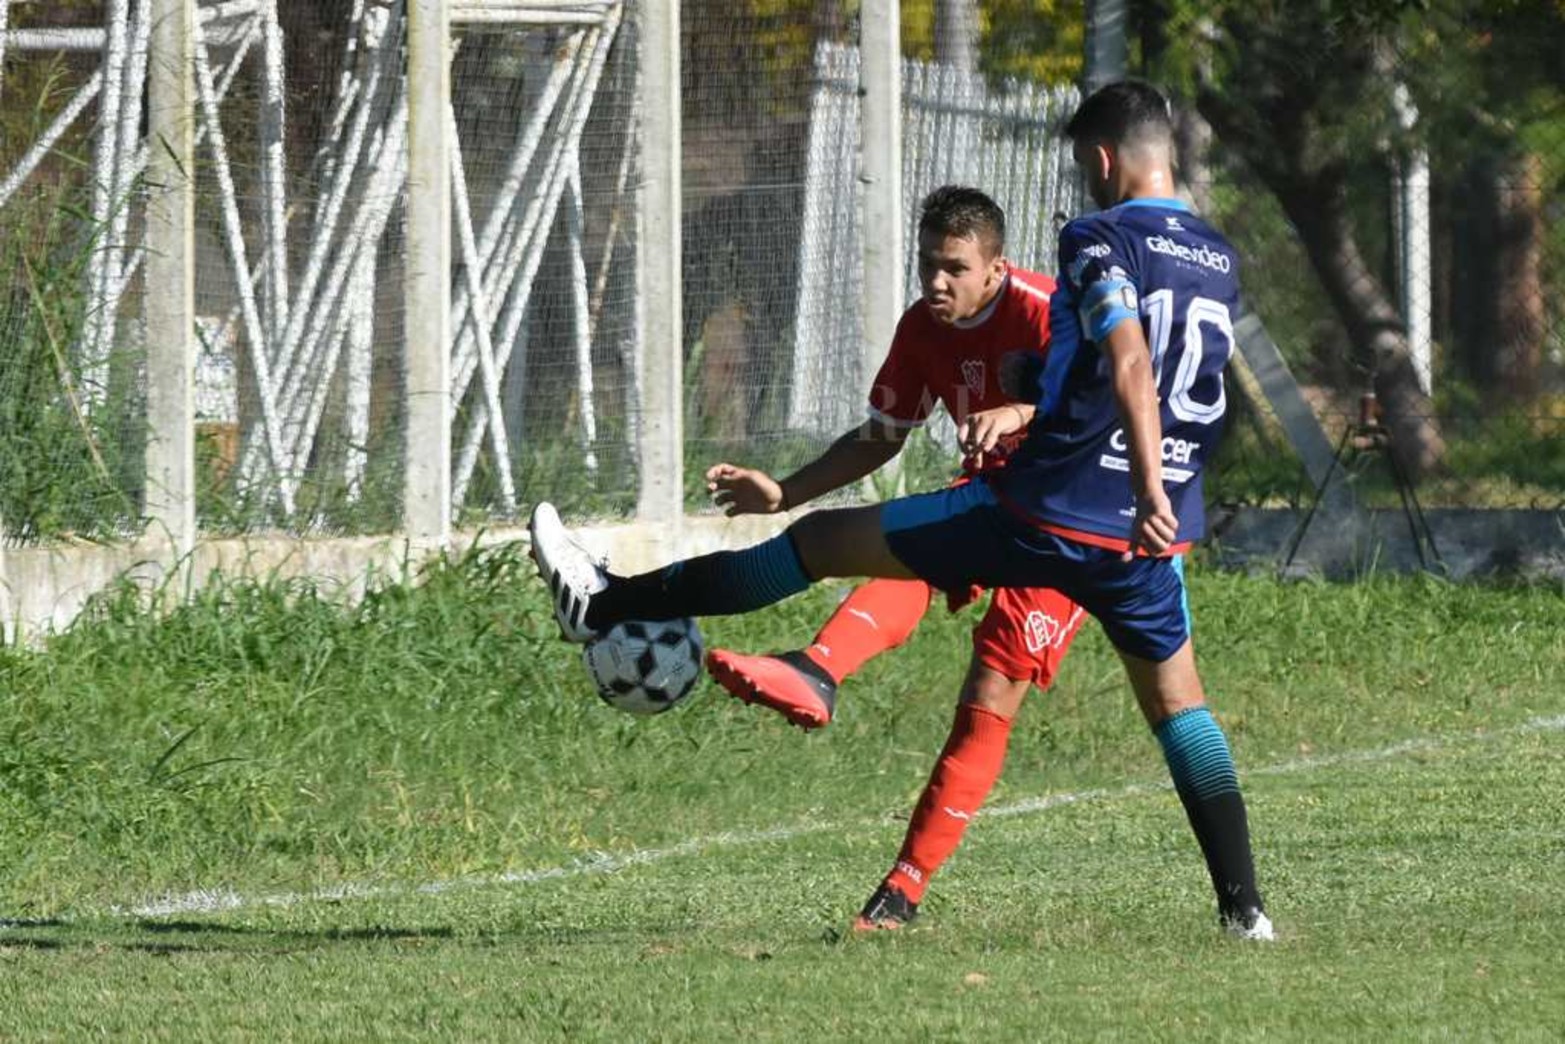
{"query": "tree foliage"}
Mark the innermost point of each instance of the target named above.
(1303, 91)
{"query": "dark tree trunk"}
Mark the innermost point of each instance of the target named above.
(1314, 197)
(1497, 277)
(1193, 146)
(1192, 133)
(1518, 291)
(1374, 325)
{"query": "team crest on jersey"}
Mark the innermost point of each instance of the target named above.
(1042, 631)
(973, 375)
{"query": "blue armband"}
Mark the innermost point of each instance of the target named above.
(1105, 304)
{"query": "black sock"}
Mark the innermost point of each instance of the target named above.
(1223, 830)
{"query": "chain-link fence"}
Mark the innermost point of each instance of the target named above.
(749, 133)
(297, 190)
(299, 252)
(71, 433)
(301, 183)
(774, 264)
(545, 356)
(1394, 186)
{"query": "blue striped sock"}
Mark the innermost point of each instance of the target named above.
(1197, 754)
(718, 584)
(738, 581)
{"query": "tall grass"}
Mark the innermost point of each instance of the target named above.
(281, 733)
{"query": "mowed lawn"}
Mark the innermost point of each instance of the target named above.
(274, 816)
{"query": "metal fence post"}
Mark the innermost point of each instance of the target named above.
(1413, 243)
(661, 497)
(170, 298)
(1107, 48)
(427, 279)
(880, 175)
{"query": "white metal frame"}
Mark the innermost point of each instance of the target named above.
(301, 328)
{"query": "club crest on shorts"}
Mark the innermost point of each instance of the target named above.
(973, 375)
(1042, 631)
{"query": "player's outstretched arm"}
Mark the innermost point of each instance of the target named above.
(749, 491)
(1135, 390)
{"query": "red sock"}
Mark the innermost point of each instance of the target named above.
(970, 763)
(877, 616)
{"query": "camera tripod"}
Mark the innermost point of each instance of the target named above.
(1369, 436)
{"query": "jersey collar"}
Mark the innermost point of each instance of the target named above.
(1161, 202)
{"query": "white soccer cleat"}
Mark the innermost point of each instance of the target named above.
(570, 570)
(1250, 924)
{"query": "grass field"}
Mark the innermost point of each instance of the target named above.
(272, 816)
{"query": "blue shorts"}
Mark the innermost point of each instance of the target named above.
(962, 536)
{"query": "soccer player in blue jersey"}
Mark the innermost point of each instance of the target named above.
(1099, 501)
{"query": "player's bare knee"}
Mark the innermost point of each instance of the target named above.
(992, 691)
(845, 542)
(1165, 688)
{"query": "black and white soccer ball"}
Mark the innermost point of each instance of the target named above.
(643, 666)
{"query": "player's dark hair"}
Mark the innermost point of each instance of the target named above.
(956, 210)
(1126, 112)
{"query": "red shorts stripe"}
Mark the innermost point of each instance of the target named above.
(1081, 536)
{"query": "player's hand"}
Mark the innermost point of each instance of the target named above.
(980, 432)
(1154, 528)
(743, 491)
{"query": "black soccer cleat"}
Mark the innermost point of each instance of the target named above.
(887, 910)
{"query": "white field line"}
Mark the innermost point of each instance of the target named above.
(224, 899)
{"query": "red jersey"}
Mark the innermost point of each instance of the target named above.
(958, 365)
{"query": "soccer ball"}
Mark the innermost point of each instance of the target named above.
(645, 667)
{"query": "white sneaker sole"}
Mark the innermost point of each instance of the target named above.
(572, 574)
(1260, 931)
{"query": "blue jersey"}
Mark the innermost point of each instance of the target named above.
(1155, 261)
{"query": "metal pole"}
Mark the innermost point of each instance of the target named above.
(880, 174)
(5, 15)
(1107, 49)
(660, 500)
(1413, 181)
(427, 287)
(171, 275)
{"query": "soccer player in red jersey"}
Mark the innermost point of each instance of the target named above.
(978, 318)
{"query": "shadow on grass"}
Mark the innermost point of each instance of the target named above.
(191, 936)
(374, 934)
(205, 938)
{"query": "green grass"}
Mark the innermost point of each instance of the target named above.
(690, 877)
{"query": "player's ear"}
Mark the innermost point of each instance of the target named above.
(1105, 157)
